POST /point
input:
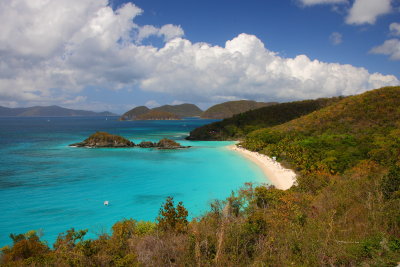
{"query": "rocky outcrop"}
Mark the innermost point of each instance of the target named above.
(103, 139)
(146, 144)
(168, 144)
(162, 144)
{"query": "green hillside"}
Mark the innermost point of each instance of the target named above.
(344, 210)
(157, 115)
(183, 110)
(133, 113)
(228, 109)
(241, 124)
(337, 137)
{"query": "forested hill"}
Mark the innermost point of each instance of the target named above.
(133, 113)
(163, 112)
(230, 108)
(241, 124)
(339, 136)
(182, 110)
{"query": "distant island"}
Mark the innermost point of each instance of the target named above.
(173, 112)
(48, 111)
(166, 112)
(107, 140)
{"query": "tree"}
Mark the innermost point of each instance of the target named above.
(171, 218)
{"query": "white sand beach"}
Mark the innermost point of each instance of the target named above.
(280, 177)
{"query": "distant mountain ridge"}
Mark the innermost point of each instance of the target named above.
(165, 112)
(49, 111)
(182, 110)
(230, 108)
(134, 113)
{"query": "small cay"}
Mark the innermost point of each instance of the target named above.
(103, 139)
(106, 140)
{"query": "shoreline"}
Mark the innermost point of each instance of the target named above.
(280, 177)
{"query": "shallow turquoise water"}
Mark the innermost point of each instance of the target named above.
(46, 185)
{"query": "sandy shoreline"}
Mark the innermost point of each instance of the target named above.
(280, 177)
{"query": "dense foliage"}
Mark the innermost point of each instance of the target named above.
(336, 138)
(343, 212)
(230, 108)
(241, 124)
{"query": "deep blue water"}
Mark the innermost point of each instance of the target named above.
(47, 186)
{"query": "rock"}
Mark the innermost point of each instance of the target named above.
(146, 144)
(103, 139)
(168, 144)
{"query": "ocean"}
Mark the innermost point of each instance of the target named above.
(47, 186)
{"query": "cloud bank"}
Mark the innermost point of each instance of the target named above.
(42, 62)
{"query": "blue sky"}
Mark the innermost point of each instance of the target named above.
(285, 26)
(98, 55)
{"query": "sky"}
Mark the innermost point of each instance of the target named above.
(117, 54)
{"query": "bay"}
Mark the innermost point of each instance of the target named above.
(50, 187)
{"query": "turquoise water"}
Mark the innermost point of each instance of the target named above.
(46, 185)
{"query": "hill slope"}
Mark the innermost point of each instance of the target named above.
(133, 113)
(48, 111)
(239, 125)
(157, 115)
(228, 109)
(183, 110)
(339, 136)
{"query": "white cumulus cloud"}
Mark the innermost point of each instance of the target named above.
(167, 31)
(58, 48)
(390, 48)
(244, 68)
(367, 11)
